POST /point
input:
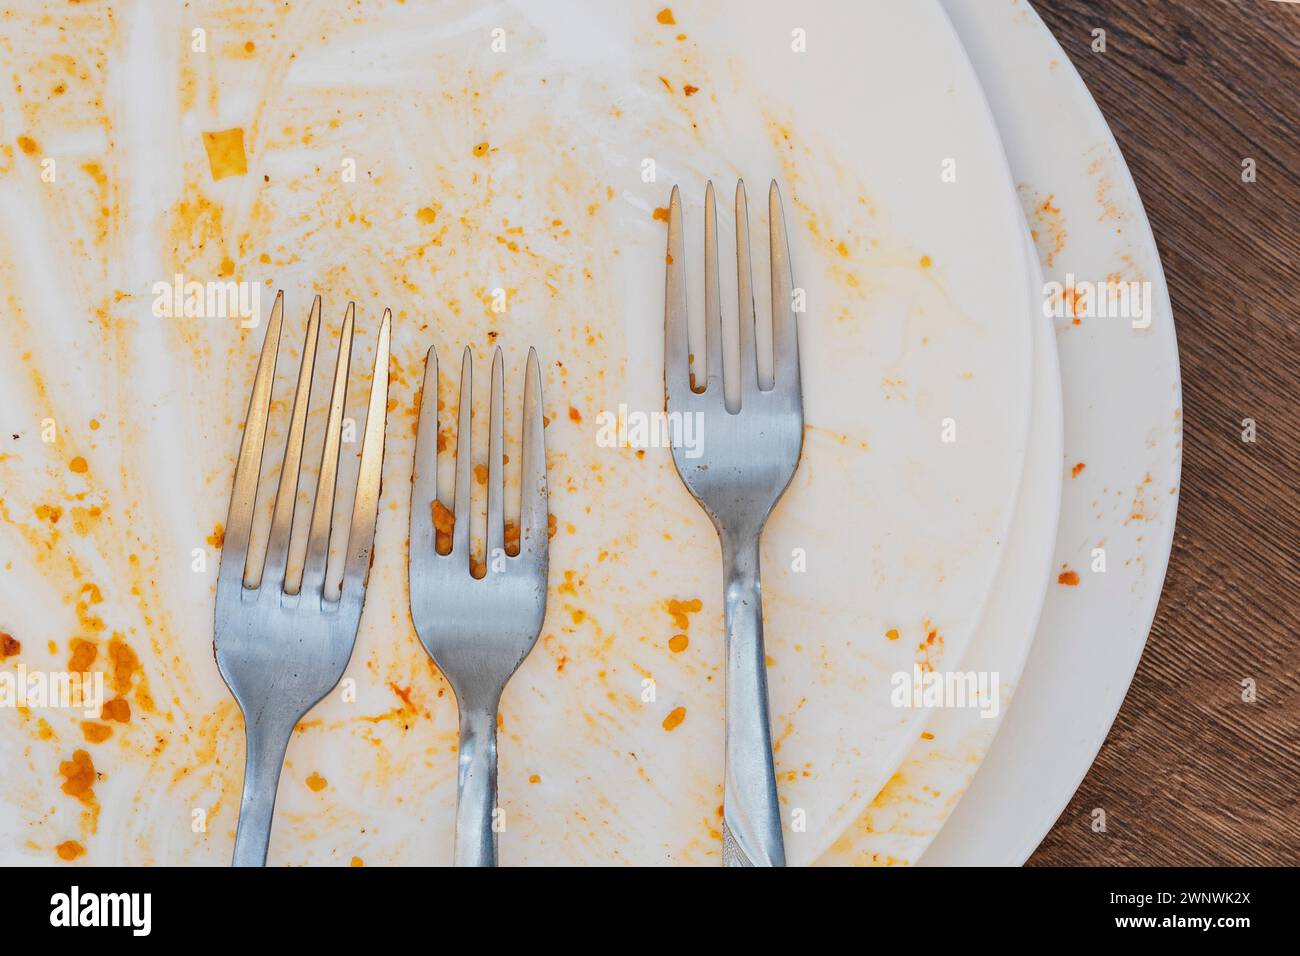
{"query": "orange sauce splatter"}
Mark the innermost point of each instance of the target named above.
(95, 733)
(9, 647)
(1077, 469)
(679, 610)
(218, 536)
(28, 145)
(574, 414)
(690, 90)
(117, 709)
(661, 214)
(481, 149)
(665, 16)
(1068, 578)
(317, 783)
(69, 850)
(443, 523)
(79, 776)
(678, 643)
(674, 719)
(892, 634)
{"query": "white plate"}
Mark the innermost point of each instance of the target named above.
(475, 169)
(911, 808)
(1123, 423)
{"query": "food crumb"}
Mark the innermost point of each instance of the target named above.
(674, 719)
(226, 156)
(661, 214)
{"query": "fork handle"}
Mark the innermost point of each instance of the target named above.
(476, 790)
(266, 746)
(751, 824)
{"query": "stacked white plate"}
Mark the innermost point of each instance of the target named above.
(990, 471)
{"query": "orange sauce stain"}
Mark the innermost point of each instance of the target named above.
(690, 90)
(79, 777)
(661, 214)
(892, 634)
(665, 16)
(218, 536)
(678, 643)
(481, 149)
(680, 609)
(317, 783)
(28, 145)
(1077, 470)
(69, 850)
(78, 465)
(574, 414)
(1068, 578)
(357, 861)
(9, 647)
(674, 719)
(95, 733)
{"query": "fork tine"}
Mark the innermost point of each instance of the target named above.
(464, 459)
(785, 331)
(424, 476)
(286, 497)
(243, 497)
(322, 514)
(533, 517)
(712, 300)
(496, 532)
(677, 369)
(365, 509)
(745, 297)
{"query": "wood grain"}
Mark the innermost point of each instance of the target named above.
(1191, 774)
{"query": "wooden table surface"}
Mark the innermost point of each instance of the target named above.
(1191, 773)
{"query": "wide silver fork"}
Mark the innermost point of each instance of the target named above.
(478, 630)
(282, 642)
(745, 462)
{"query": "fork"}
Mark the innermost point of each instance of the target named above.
(745, 462)
(283, 639)
(478, 630)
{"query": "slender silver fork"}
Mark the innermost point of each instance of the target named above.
(282, 642)
(478, 630)
(745, 462)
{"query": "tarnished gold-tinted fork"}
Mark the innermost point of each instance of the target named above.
(283, 642)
